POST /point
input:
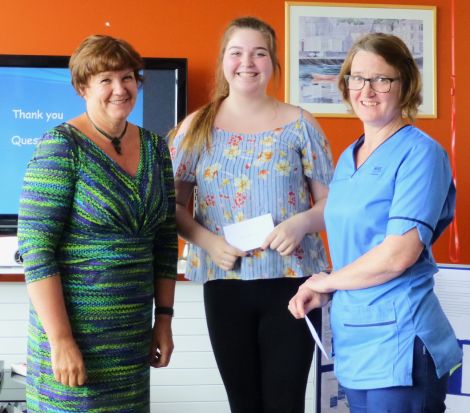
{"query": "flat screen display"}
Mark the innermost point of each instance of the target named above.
(37, 95)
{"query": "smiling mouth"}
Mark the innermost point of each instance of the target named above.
(366, 103)
(247, 74)
(119, 101)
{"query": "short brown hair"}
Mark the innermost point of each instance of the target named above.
(101, 53)
(395, 52)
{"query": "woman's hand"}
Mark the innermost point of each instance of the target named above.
(286, 236)
(306, 300)
(321, 283)
(162, 342)
(67, 363)
(223, 254)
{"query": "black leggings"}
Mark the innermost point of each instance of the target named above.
(263, 353)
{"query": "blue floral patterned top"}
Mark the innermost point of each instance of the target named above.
(246, 175)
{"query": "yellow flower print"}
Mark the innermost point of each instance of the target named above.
(302, 195)
(228, 215)
(264, 157)
(258, 253)
(231, 152)
(289, 272)
(242, 184)
(210, 268)
(208, 223)
(307, 165)
(211, 172)
(232, 275)
(283, 212)
(202, 206)
(283, 154)
(267, 141)
(225, 182)
(194, 261)
(239, 217)
(283, 168)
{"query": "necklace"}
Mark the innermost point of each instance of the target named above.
(115, 140)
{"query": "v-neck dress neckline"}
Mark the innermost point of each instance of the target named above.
(113, 162)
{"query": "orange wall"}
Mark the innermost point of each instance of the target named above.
(189, 28)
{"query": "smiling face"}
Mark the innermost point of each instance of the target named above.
(247, 64)
(110, 96)
(374, 108)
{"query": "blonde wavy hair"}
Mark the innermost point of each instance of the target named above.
(199, 133)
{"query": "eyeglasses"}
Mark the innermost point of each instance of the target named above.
(379, 84)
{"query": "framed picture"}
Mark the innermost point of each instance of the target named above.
(319, 35)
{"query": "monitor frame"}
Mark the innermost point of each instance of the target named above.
(9, 222)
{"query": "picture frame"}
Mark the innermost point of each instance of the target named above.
(319, 35)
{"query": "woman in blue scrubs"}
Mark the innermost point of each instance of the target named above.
(391, 197)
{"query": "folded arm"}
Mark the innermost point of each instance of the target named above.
(381, 264)
(378, 266)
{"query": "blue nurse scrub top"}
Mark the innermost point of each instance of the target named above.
(405, 183)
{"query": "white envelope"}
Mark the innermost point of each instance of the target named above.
(249, 234)
(315, 336)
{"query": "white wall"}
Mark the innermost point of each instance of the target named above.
(13, 322)
(190, 384)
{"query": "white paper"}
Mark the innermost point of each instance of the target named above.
(19, 368)
(457, 404)
(453, 290)
(249, 234)
(315, 337)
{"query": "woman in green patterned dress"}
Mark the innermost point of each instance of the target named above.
(97, 235)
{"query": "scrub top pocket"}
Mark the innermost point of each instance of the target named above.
(367, 340)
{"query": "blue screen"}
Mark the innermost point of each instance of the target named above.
(34, 101)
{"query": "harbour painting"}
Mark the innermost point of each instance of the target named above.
(323, 39)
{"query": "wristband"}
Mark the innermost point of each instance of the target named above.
(164, 310)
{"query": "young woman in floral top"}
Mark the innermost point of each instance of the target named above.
(250, 154)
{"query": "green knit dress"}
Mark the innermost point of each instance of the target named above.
(109, 235)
